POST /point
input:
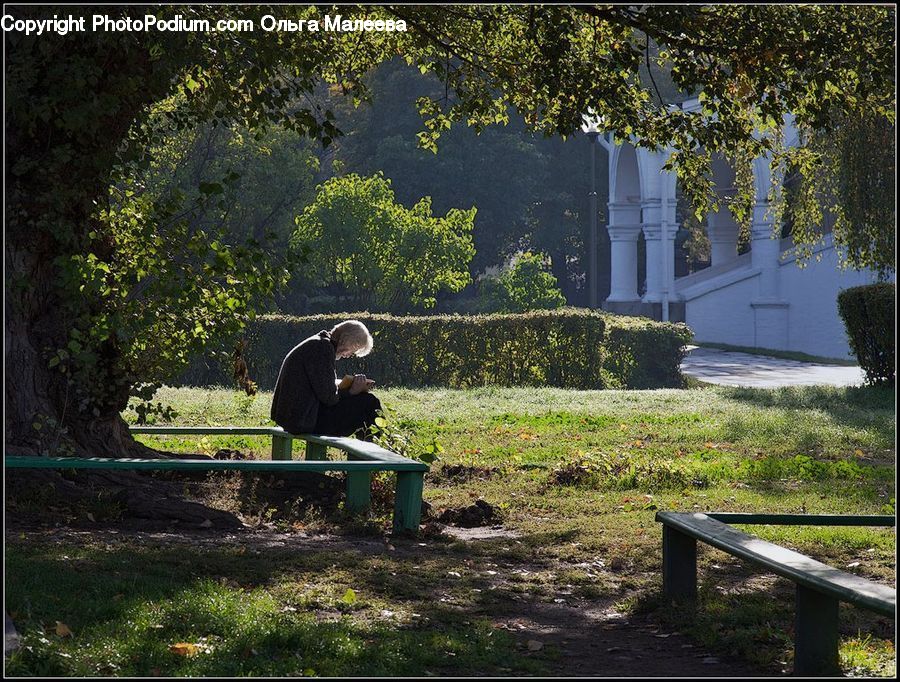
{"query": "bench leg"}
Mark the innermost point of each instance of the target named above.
(679, 564)
(315, 451)
(359, 487)
(815, 633)
(408, 501)
(282, 447)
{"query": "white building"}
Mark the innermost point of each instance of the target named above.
(760, 299)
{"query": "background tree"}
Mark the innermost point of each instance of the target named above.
(384, 255)
(78, 114)
(858, 190)
(525, 285)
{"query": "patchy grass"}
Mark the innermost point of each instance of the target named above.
(576, 476)
(149, 610)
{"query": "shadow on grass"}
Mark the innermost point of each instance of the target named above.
(261, 609)
(847, 403)
(275, 612)
(744, 612)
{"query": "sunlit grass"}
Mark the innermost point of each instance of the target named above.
(577, 476)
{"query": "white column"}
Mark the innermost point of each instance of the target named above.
(723, 236)
(651, 224)
(624, 227)
(670, 216)
(769, 307)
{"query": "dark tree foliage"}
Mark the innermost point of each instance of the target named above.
(104, 293)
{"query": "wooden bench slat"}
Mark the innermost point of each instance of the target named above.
(360, 448)
(23, 462)
(804, 519)
(363, 459)
(797, 567)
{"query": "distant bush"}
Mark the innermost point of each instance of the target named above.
(525, 286)
(569, 348)
(642, 353)
(868, 314)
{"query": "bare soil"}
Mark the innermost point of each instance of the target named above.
(590, 636)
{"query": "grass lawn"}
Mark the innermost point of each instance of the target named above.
(576, 477)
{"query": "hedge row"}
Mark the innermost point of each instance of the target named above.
(868, 314)
(569, 348)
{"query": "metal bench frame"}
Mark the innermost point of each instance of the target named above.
(819, 587)
(362, 459)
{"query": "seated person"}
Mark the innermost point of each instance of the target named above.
(307, 396)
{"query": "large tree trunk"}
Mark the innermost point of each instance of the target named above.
(67, 116)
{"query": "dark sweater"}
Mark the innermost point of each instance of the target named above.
(307, 378)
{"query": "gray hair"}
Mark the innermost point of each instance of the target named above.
(353, 332)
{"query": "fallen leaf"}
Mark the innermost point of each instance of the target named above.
(62, 630)
(91, 517)
(117, 597)
(349, 596)
(206, 524)
(534, 645)
(184, 649)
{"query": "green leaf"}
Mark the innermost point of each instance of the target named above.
(349, 597)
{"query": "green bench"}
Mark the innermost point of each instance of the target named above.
(363, 458)
(819, 587)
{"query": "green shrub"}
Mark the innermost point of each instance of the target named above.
(868, 314)
(641, 353)
(525, 286)
(568, 348)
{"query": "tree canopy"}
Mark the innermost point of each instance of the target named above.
(386, 255)
(80, 127)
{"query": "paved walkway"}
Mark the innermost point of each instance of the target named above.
(758, 371)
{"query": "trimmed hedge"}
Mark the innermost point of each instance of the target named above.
(568, 348)
(868, 314)
(642, 353)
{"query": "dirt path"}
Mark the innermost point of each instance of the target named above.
(592, 638)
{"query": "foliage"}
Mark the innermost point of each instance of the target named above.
(77, 126)
(391, 435)
(569, 347)
(869, 317)
(753, 65)
(272, 174)
(165, 290)
(538, 207)
(645, 354)
(386, 255)
(861, 155)
(525, 286)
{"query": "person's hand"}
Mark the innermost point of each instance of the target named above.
(370, 384)
(358, 385)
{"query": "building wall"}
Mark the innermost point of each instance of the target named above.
(719, 310)
(724, 315)
(814, 325)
